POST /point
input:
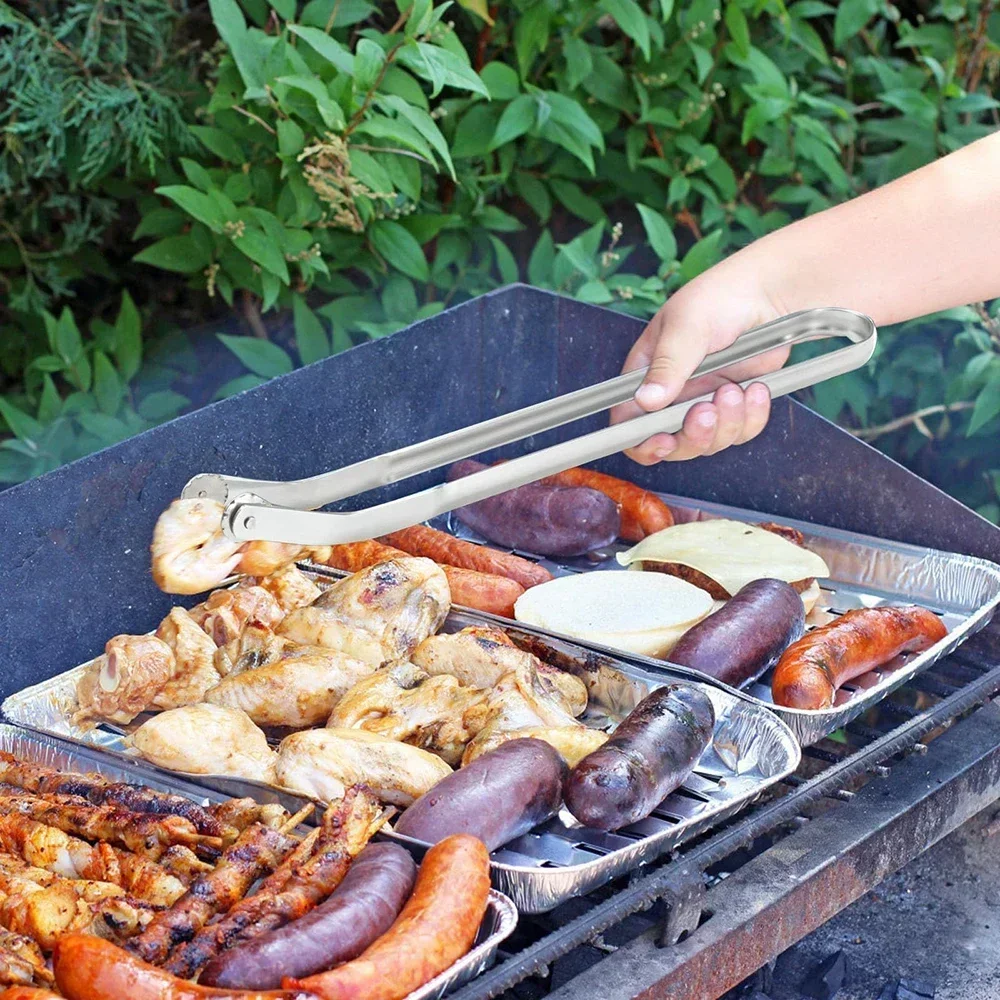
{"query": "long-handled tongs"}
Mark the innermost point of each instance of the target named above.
(287, 511)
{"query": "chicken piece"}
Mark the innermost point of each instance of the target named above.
(297, 691)
(481, 654)
(194, 670)
(205, 739)
(378, 615)
(190, 554)
(322, 763)
(258, 851)
(49, 848)
(242, 813)
(124, 681)
(573, 743)
(21, 961)
(223, 613)
(306, 877)
(404, 703)
(255, 646)
(290, 587)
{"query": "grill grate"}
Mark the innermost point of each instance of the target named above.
(550, 949)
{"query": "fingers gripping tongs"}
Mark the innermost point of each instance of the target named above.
(287, 511)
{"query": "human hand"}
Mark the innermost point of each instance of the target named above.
(704, 316)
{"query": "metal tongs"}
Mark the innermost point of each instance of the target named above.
(287, 511)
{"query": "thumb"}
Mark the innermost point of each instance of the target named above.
(678, 351)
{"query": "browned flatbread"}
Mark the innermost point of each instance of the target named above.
(715, 590)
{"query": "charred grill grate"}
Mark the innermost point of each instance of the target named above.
(547, 950)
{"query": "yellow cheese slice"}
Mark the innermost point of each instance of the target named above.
(729, 552)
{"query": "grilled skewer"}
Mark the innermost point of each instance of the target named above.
(145, 834)
(55, 851)
(241, 813)
(258, 851)
(300, 883)
(98, 791)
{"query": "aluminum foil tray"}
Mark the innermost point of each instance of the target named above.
(751, 751)
(498, 923)
(864, 572)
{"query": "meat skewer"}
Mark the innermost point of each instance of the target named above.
(183, 863)
(98, 791)
(257, 851)
(55, 851)
(299, 883)
(241, 813)
(139, 832)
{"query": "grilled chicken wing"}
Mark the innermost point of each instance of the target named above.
(205, 739)
(290, 587)
(224, 612)
(296, 691)
(189, 551)
(242, 813)
(322, 763)
(123, 682)
(378, 615)
(194, 670)
(21, 961)
(481, 654)
(572, 743)
(404, 703)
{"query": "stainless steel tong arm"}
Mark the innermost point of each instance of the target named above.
(284, 511)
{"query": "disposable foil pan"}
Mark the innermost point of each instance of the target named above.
(499, 920)
(751, 751)
(864, 572)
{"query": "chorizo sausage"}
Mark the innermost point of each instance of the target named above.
(360, 910)
(437, 927)
(446, 549)
(28, 993)
(642, 512)
(649, 755)
(746, 635)
(90, 968)
(810, 670)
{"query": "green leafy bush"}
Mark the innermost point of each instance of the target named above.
(363, 166)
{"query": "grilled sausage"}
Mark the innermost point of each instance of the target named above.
(90, 968)
(642, 513)
(360, 910)
(436, 928)
(649, 755)
(746, 635)
(448, 550)
(470, 588)
(28, 993)
(810, 670)
(499, 796)
(550, 520)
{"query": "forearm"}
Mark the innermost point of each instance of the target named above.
(928, 241)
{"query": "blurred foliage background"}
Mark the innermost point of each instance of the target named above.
(310, 175)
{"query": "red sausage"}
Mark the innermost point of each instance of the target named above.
(360, 910)
(810, 670)
(436, 928)
(28, 993)
(90, 968)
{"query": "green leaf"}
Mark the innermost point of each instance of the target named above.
(666, 9)
(263, 251)
(197, 175)
(518, 117)
(160, 221)
(425, 125)
(176, 253)
(291, 138)
(237, 385)
(441, 68)
(107, 385)
(679, 189)
(162, 405)
(369, 58)
(67, 343)
(631, 19)
(22, 426)
(579, 63)
(573, 197)
(987, 406)
(317, 13)
(660, 235)
(535, 194)
(329, 48)
(543, 254)
(478, 7)
(581, 251)
(531, 35)
(852, 16)
(260, 356)
(310, 337)
(286, 8)
(232, 30)
(701, 256)
(198, 205)
(500, 80)
(49, 402)
(739, 30)
(570, 113)
(329, 110)
(498, 220)
(596, 292)
(399, 249)
(506, 264)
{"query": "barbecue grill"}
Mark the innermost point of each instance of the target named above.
(692, 924)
